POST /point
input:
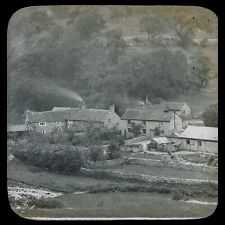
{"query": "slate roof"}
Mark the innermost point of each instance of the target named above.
(147, 114)
(76, 114)
(15, 128)
(200, 133)
(60, 108)
(168, 106)
(161, 140)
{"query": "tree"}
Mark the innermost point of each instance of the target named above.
(96, 153)
(154, 25)
(89, 23)
(136, 129)
(200, 69)
(115, 45)
(186, 20)
(210, 115)
(118, 13)
(157, 131)
(162, 73)
(113, 150)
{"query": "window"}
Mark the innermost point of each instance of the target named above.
(129, 122)
(109, 120)
(144, 122)
(183, 111)
(129, 129)
(188, 142)
(199, 143)
(58, 123)
(44, 132)
(144, 131)
(162, 131)
(42, 123)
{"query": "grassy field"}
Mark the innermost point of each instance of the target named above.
(122, 205)
(54, 181)
(164, 171)
(106, 198)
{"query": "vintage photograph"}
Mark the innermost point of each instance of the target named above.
(112, 112)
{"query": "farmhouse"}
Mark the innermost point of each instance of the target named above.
(150, 120)
(79, 118)
(16, 131)
(181, 108)
(197, 138)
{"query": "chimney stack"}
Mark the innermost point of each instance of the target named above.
(147, 102)
(83, 106)
(112, 108)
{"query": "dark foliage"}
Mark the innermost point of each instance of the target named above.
(77, 56)
(210, 116)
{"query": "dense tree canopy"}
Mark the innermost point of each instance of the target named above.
(54, 52)
(210, 116)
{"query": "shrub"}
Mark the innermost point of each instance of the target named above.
(20, 151)
(113, 151)
(178, 195)
(63, 158)
(73, 160)
(79, 140)
(157, 131)
(45, 203)
(136, 129)
(96, 153)
(37, 137)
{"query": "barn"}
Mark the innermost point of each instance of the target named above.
(199, 138)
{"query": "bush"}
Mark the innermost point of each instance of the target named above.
(136, 129)
(44, 203)
(113, 151)
(20, 151)
(73, 160)
(63, 158)
(37, 137)
(179, 195)
(96, 153)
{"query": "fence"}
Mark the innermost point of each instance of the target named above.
(134, 140)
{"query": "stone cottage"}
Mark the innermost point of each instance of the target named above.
(79, 118)
(150, 119)
(182, 109)
(199, 138)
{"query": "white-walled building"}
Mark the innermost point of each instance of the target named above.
(65, 117)
(150, 119)
(198, 138)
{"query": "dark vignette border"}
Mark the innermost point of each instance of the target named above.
(12, 6)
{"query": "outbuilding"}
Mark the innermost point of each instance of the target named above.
(16, 131)
(200, 138)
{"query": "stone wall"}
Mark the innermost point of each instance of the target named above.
(165, 161)
(137, 139)
(145, 178)
(174, 164)
(107, 163)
